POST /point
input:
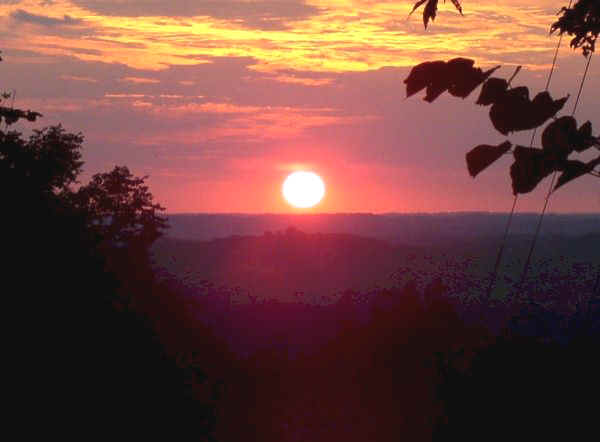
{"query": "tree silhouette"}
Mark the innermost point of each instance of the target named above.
(119, 207)
(45, 164)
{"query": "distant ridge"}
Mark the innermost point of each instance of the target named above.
(413, 228)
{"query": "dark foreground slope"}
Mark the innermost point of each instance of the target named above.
(396, 364)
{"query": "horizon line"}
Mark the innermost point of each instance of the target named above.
(459, 212)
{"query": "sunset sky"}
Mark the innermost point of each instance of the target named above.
(217, 101)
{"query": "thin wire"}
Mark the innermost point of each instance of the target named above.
(512, 211)
(541, 218)
(549, 79)
(537, 232)
(502, 245)
(587, 67)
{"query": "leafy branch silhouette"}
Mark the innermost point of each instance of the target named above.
(430, 9)
(582, 21)
(512, 110)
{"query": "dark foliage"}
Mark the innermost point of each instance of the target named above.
(511, 110)
(582, 21)
(430, 9)
(533, 165)
(492, 91)
(119, 207)
(519, 386)
(573, 169)
(530, 167)
(514, 111)
(11, 116)
(45, 164)
(85, 315)
(482, 156)
(561, 137)
(457, 76)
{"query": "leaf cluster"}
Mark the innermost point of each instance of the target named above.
(457, 76)
(430, 9)
(582, 22)
(560, 139)
(11, 116)
(511, 110)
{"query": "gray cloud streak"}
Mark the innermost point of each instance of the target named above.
(266, 15)
(27, 17)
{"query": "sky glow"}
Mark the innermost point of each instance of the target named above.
(218, 100)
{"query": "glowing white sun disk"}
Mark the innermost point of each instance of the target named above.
(303, 189)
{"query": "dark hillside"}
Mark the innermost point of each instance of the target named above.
(288, 265)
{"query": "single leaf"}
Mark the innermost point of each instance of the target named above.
(430, 12)
(573, 169)
(530, 167)
(584, 138)
(457, 76)
(32, 116)
(451, 72)
(464, 78)
(480, 157)
(543, 107)
(558, 136)
(492, 90)
(437, 87)
(514, 111)
(419, 3)
(424, 74)
(562, 137)
(507, 112)
(457, 5)
(585, 131)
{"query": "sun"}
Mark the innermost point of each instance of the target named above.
(303, 189)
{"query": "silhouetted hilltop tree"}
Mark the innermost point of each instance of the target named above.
(41, 167)
(119, 207)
